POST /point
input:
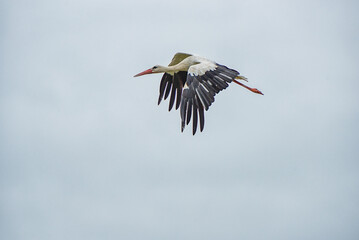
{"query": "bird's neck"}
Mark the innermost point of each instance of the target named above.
(166, 69)
(174, 68)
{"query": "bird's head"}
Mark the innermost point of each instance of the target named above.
(154, 69)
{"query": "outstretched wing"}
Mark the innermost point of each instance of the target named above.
(173, 83)
(204, 81)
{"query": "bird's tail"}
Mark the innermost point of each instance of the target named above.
(242, 78)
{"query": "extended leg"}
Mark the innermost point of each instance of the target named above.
(255, 90)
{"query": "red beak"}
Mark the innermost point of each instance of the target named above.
(148, 71)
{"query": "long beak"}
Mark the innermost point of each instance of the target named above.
(148, 71)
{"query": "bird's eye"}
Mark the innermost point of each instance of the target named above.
(154, 67)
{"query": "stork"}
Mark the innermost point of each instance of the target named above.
(194, 81)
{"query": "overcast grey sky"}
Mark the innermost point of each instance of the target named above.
(86, 153)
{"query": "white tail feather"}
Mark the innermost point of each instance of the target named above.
(242, 78)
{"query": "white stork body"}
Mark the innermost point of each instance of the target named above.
(193, 81)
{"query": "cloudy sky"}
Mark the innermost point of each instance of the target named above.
(86, 153)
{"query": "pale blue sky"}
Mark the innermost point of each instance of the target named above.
(86, 153)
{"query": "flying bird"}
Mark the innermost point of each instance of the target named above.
(192, 82)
